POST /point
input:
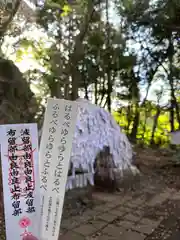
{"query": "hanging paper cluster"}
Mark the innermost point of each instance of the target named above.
(96, 129)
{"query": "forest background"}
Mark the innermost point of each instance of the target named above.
(123, 55)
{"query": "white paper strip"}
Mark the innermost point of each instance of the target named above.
(19, 157)
(175, 137)
(55, 152)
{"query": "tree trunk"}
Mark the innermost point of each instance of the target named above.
(102, 90)
(171, 119)
(78, 49)
(135, 124)
(109, 91)
(109, 83)
(96, 92)
(145, 122)
(86, 90)
(55, 89)
(128, 118)
(174, 103)
(155, 124)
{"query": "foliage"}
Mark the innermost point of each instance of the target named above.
(77, 49)
(144, 133)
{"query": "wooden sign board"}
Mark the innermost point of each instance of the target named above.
(175, 137)
(19, 159)
(54, 156)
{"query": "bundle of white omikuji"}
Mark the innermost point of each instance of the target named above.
(96, 128)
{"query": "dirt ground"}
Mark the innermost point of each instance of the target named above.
(148, 209)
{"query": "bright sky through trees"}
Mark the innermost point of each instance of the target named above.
(27, 61)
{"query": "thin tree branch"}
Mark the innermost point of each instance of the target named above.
(13, 13)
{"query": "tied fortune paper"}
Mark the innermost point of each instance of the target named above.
(19, 158)
(54, 156)
(175, 137)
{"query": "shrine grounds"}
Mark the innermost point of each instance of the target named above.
(149, 208)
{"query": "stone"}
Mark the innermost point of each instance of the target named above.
(139, 213)
(104, 197)
(107, 217)
(131, 217)
(112, 230)
(97, 223)
(105, 237)
(111, 205)
(100, 209)
(137, 202)
(175, 236)
(130, 235)
(88, 214)
(131, 205)
(125, 224)
(124, 209)
(18, 105)
(71, 235)
(159, 199)
(176, 196)
(146, 226)
(70, 223)
(85, 230)
(117, 212)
